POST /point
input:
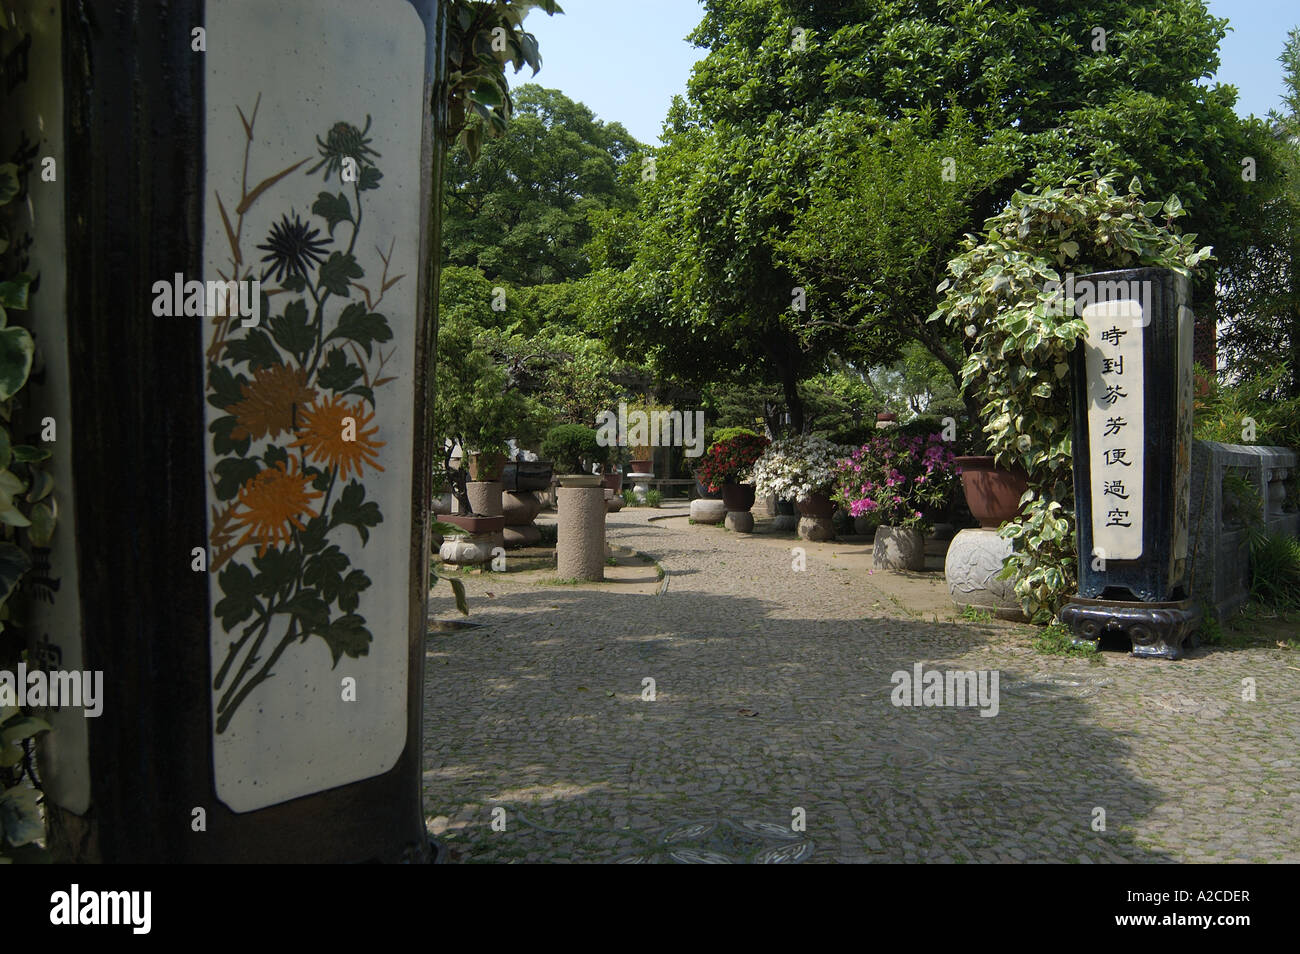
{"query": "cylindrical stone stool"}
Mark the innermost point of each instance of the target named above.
(741, 521)
(704, 510)
(520, 508)
(485, 497)
(580, 541)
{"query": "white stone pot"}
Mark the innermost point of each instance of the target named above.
(971, 568)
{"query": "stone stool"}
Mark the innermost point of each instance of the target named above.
(520, 508)
(580, 539)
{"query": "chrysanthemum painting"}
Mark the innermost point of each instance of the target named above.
(299, 430)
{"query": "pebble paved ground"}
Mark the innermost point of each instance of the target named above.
(772, 707)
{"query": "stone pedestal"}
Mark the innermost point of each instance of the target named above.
(471, 549)
(640, 487)
(1155, 630)
(613, 501)
(704, 510)
(741, 521)
(898, 548)
(520, 509)
(816, 528)
(971, 568)
(786, 518)
(485, 497)
(580, 543)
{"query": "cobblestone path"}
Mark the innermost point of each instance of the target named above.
(772, 704)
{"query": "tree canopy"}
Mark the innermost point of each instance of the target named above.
(767, 241)
(521, 211)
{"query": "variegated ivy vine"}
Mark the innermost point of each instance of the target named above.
(482, 37)
(1000, 295)
(26, 515)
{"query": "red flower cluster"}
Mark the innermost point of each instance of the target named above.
(727, 461)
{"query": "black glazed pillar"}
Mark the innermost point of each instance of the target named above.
(249, 479)
(1132, 436)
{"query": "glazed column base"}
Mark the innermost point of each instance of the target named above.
(1155, 630)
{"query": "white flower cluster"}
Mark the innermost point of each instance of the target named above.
(796, 467)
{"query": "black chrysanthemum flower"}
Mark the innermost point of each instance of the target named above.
(344, 141)
(292, 249)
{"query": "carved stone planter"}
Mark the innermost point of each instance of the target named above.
(971, 569)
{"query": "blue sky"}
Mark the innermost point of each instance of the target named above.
(627, 58)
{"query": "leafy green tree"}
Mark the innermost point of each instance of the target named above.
(1031, 92)
(521, 211)
(1260, 282)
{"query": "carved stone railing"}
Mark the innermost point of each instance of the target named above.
(1220, 576)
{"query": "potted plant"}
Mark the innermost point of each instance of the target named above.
(992, 493)
(727, 465)
(896, 477)
(479, 408)
(574, 449)
(641, 437)
(802, 469)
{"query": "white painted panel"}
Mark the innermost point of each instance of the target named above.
(345, 79)
(1116, 425)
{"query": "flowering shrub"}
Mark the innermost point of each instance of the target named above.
(895, 477)
(797, 467)
(729, 461)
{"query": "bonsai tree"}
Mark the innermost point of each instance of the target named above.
(478, 408)
(569, 445)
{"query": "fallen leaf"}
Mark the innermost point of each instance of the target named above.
(747, 712)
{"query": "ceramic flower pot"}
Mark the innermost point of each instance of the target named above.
(816, 505)
(473, 524)
(738, 497)
(703, 492)
(486, 466)
(993, 493)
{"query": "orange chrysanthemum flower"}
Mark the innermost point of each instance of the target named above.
(338, 435)
(269, 399)
(272, 504)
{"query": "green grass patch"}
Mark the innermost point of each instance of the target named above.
(1055, 640)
